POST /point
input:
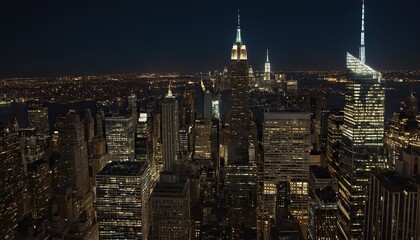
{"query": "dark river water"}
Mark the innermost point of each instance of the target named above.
(19, 111)
(394, 94)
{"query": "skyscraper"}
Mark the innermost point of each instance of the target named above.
(157, 163)
(239, 85)
(72, 211)
(100, 156)
(188, 108)
(142, 137)
(215, 149)
(11, 181)
(132, 103)
(251, 76)
(322, 220)
(38, 118)
(122, 197)
(40, 187)
(267, 69)
(73, 154)
(362, 141)
(120, 136)
(286, 159)
(36, 167)
(238, 120)
(89, 125)
(240, 145)
(170, 129)
(392, 207)
(207, 103)
(322, 217)
(170, 208)
(403, 131)
(335, 130)
(215, 108)
(33, 146)
(202, 148)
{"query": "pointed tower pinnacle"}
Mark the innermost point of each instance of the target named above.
(169, 95)
(267, 69)
(238, 31)
(362, 53)
(267, 56)
(203, 87)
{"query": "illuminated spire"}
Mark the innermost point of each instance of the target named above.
(362, 54)
(169, 95)
(238, 31)
(203, 87)
(267, 69)
(267, 56)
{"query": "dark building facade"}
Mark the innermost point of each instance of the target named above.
(392, 207)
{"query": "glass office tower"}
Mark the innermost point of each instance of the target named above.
(362, 144)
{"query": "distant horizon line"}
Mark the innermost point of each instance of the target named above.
(198, 73)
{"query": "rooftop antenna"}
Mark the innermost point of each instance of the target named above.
(362, 50)
(267, 55)
(238, 30)
(169, 95)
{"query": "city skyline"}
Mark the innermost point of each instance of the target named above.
(239, 152)
(48, 39)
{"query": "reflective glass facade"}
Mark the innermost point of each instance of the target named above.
(362, 144)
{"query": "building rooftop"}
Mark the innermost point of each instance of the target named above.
(393, 182)
(287, 115)
(120, 117)
(319, 172)
(166, 188)
(286, 228)
(326, 195)
(123, 168)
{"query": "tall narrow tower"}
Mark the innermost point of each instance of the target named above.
(240, 168)
(267, 69)
(170, 129)
(239, 114)
(362, 142)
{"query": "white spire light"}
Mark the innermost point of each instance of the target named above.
(267, 69)
(238, 31)
(169, 95)
(267, 56)
(362, 51)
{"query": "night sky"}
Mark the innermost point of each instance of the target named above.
(49, 38)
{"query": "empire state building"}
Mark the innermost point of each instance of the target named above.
(241, 142)
(239, 114)
(238, 121)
